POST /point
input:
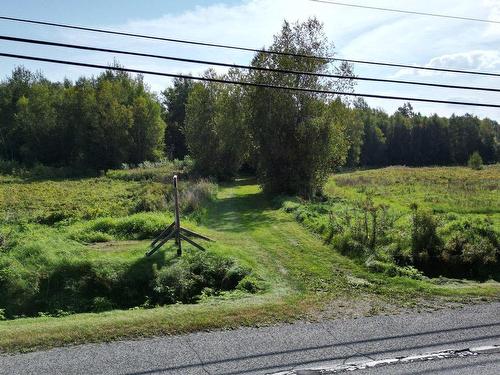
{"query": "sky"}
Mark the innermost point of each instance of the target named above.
(357, 34)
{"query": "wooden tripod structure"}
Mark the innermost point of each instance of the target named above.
(175, 231)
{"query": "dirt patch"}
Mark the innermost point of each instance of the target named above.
(349, 307)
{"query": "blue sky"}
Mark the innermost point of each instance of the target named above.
(357, 34)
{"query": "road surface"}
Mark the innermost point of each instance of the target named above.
(301, 345)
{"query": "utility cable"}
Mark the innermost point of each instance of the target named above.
(248, 67)
(243, 83)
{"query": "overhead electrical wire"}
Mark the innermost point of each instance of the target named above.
(216, 63)
(232, 47)
(243, 83)
(461, 18)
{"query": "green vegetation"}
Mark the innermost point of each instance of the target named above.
(264, 267)
(49, 265)
(97, 123)
(475, 161)
(412, 222)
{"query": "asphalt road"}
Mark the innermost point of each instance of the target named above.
(284, 347)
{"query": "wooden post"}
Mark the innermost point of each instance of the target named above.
(177, 219)
(174, 231)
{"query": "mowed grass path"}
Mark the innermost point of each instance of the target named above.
(301, 273)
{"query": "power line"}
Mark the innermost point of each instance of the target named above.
(232, 47)
(243, 83)
(216, 63)
(406, 11)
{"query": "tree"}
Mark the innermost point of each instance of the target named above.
(285, 123)
(147, 130)
(406, 110)
(488, 145)
(374, 147)
(216, 128)
(355, 133)
(475, 161)
(110, 140)
(464, 137)
(435, 146)
(175, 100)
(399, 140)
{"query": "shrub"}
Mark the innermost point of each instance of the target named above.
(186, 280)
(100, 304)
(9, 166)
(475, 161)
(392, 270)
(425, 241)
(250, 284)
(472, 249)
(185, 166)
(47, 274)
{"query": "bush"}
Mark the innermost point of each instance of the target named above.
(186, 280)
(250, 284)
(158, 171)
(392, 270)
(472, 249)
(475, 161)
(9, 166)
(426, 244)
(100, 304)
(49, 274)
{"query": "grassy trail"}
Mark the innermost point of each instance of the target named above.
(279, 249)
(302, 276)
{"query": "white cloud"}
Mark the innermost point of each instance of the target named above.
(470, 60)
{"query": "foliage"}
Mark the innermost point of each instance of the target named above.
(46, 265)
(408, 138)
(426, 244)
(475, 161)
(186, 279)
(295, 272)
(174, 99)
(52, 275)
(216, 128)
(299, 136)
(94, 123)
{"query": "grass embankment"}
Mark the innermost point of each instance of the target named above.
(299, 275)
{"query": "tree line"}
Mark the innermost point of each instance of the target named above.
(94, 123)
(409, 138)
(291, 140)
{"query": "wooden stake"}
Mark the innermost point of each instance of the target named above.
(174, 230)
(177, 219)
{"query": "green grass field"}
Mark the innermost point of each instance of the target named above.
(296, 274)
(443, 189)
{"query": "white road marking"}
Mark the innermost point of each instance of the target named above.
(349, 367)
